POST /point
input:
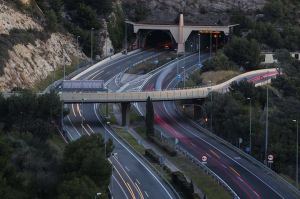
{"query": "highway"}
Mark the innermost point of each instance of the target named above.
(132, 177)
(245, 178)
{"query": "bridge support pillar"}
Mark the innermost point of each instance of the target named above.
(125, 106)
(197, 111)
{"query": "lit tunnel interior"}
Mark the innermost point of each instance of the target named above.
(159, 39)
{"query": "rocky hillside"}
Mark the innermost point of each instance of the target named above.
(200, 11)
(29, 53)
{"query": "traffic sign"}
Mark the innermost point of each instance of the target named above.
(270, 158)
(204, 159)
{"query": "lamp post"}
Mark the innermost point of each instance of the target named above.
(77, 40)
(107, 123)
(250, 125)
(126, 32)
(82, 100)
(183, 68)
(199, 34)
(92, 29)
(297, 153)
(267, 128)
(112, 170)
(211, 102)
(210, 45)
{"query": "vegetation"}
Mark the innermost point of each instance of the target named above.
(116, 28)
(231, 115)
(34, 163)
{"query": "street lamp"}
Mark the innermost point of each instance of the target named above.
(211, 102)
(183, 68)
(77, 41)
(82, 100)
(92, 45)
(297, 154)
(267, 128)
(199, 34)
(107, 123)
(250, 125)
(112, 170)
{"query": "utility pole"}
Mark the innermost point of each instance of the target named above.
(77, 40)
(297, 154)
(199, 34)
(126, 44)
(210, 45)
(267, 128)
(82, 116)
(250, 125)
(105, 129)
(92, 45)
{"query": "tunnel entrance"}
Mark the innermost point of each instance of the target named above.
(159, 39)
(213, 40)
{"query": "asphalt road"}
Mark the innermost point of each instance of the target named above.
(245, 178)
(132, 177)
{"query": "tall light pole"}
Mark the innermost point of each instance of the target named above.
(199, 34)
(297, 154)
(112, 170)
(107, 123)
(126, 44)
(250, 125)
(183, 68)
(267, 128)
(210, 45)
(82, 100)
(92, 44)
(77, 40)
(211, 102)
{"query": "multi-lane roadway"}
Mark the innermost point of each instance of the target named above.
(132, 177)
(246, 178)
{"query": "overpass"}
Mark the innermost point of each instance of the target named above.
(166, 95)
(258, 77)
(181, 32)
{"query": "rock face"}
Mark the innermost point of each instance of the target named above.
(28, 64)
(10, 19)
(205, 12)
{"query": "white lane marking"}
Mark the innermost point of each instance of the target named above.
(127, 168)
(69, 134)
(120, 186)
(73, 110)
(73, 126)
(237, 158)
(132, 154)
(138, 181)
(85, 130)
(146, 194)
(103, 66)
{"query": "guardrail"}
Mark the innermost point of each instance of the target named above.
(248, 157)
(207, 171)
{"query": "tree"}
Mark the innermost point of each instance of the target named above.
(243, 52)
(86, 157)
(78, 188)
(149, 118)
(219, 62)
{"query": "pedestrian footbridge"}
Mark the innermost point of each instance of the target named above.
(257, 77)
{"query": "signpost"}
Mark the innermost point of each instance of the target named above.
(270, 160)
(204, 159)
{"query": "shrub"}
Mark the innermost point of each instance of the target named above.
(152, 155)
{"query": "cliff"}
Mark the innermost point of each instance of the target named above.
(26, 57)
